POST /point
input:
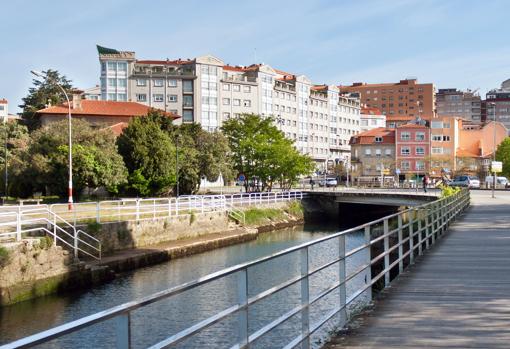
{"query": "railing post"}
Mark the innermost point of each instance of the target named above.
(368, 272)
(98, 215)
(202, 204)
(427, 228)
(411, 236)
(242, 299)
(123, 331)
(54, 230)
(18, 224)
(420, 235)
(154, 209)
(305, 300)
(400, 247)
(169, 208)
(75, 234)
(387, 255)
(341, 278)
(137, 204)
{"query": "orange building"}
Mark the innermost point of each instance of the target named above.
(400, 102)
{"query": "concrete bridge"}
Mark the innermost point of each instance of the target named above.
(456, 296)
(381, 197)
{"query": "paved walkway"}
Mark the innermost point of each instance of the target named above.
(456, 296)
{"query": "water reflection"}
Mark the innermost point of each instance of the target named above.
(157, 321)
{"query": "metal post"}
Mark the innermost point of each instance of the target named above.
(123, 331)
(341, 278)
(494, 151)
(137, 204)
(427, 229)
(98, 215)
(18, 224)
(75, 244)
(242, 299)
(420, 233)
(305, 300)
(54, 230)
(400, 246)
(368, 272)
(411, 236)
(387, 255)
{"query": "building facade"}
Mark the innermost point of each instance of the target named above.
(455, 103)
(4, 111)
(373, 152)
(371, 118)
(205, 90)
(412, 150)
(497, 105)
(404, 100)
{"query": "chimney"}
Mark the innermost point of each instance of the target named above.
(76, 104)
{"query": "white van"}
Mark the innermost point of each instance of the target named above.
(502, 182)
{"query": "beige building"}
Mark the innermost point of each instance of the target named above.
(206, 90)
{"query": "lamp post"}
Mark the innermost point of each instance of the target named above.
(5, 162)
(177, 165)
(493, 105)
(70, 184)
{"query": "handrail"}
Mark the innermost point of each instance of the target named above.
(427, 223)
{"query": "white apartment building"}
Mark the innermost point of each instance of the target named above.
(371, 118)
(4, 111)
(207, 91)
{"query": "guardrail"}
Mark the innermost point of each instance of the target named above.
(32, 220)
(395, 241)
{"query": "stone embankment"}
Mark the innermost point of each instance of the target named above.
(33, 267)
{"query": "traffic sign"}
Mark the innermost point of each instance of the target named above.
(242, 177)
(496, 166)
(397, 171)
(386, 171)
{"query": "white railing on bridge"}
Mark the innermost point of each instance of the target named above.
(397, 239)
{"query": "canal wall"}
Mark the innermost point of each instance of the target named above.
(34, 267)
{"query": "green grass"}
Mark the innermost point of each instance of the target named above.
(295, 208)
(4, 256)
(255, 216)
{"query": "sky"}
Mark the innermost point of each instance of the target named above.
(451, 43)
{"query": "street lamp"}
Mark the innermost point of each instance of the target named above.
(493, 105)
(70, 185)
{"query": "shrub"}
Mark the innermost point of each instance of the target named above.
(448, 191)
(45, 242)
(5, 254)
(295, 208)
(93, 227)
(192, 217)
(256, 216)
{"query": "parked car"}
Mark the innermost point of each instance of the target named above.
(465, 181)
(328, 182)
(501, 182)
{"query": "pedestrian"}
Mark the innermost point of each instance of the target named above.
(312, 182)
(425, 182)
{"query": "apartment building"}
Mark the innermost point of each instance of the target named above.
(412, 149)
(455, 103)
(371, 118)
(373, 151)
(497, 104)
(4, 111)
(401, 102)
(206, 90)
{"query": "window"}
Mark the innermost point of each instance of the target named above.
(237, 88)
(158, 83)
(172, 83)
(436, 124)
(158, 97)
(112, 66)
(226, 101)
(378, 139)
(112, 82)
(420, 136)
(226, 87)
(141, 82)
(405, 151)
(141, 97)
(446, 138)
(387, 152)
(122, 66)
(420, 151)
(378, 152)
(187, 115)
(187, 86)
(405, 136)
(226, 116)
(247, 103)
(420, 165)
(405, 165)
(368, 152)
(121, 97)
(247, 89)
(187, 101)
(121, 82)
(437, 150)
(112, 96)
(237, 102)
(437, 138)
(172, 98)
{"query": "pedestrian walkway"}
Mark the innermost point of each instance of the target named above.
(456, 296)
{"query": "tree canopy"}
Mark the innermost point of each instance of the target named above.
(42, 93)
(503, 154)
(261, 152)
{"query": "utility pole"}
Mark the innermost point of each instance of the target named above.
(494, 151)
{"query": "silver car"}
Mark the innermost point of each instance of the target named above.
(465, 181)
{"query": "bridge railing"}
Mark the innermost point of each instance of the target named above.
(390, 245)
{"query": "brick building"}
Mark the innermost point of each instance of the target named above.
(412, 149)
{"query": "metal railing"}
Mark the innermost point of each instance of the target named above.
(30, 220)
(154, 208)
(395, 240)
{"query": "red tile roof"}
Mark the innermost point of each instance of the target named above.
(412, 126)
(399, 118)
(370, 111)
(103, 108)
(119, 128)
(368, 137)
(234, 68)
(3, 101)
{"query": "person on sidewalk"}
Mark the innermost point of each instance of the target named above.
(426, 182)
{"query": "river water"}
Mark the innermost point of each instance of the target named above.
(159, 320)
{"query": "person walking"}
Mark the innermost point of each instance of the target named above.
(425, 182)
(312, 182)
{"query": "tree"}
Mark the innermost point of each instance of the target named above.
(42, 93)
(15, 139)
(149, 155)
(96, 162)
(503, 155)
(260, 151)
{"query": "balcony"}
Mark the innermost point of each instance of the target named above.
(283, 86)
(240, 79)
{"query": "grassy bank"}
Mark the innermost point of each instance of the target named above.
(261, 216)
